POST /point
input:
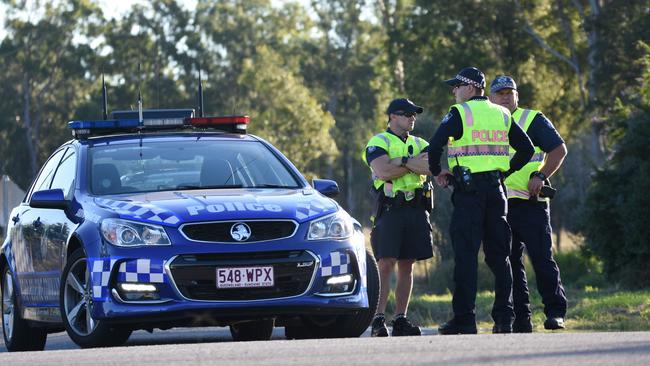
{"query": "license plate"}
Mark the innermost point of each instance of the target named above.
(243, 277)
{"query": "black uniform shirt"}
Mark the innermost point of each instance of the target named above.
(543, 134)
(373, 152)
(452, 126)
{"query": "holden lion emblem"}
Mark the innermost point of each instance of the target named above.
(240, 231)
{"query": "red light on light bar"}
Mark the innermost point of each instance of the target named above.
(226, 120)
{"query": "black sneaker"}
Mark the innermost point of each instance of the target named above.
(454, 327)
(554, 323)
(522, 325)
(403, 327)
(379, 328)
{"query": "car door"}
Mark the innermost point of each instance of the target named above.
(30, 253)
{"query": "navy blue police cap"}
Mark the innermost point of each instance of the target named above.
(502, 82)
(403, 105)
(468, 75)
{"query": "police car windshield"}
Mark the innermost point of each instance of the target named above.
(185, 165)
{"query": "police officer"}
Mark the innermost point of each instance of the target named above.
(478, 133)
(528, 215)
(402, 232)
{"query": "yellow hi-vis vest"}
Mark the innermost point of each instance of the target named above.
(397, 148)
(484, 145)
(517, 182)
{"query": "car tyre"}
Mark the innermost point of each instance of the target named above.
(76, 303)
(256, 330)
(18, 335)
(342, 326)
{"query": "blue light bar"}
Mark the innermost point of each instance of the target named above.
(112, 124)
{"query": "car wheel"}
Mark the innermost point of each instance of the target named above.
(76, 301)
(257, 330)
(342, 326)
(18, 335)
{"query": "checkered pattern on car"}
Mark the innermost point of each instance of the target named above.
(141, 270)
(140, 210)
(335, 263)
(99, 276)
(306, 210)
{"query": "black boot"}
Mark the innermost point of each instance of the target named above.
(403, 327)
(522, 325)
(379, 328)
(455, 327)
(554, 323)
(502, 328)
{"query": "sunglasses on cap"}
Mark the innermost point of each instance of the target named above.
(405, 114)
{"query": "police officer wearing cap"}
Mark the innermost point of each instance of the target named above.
(478, 134)
(401, 232)
(528, 214)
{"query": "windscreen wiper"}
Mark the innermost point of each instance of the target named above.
(270, 186)
(219, 186)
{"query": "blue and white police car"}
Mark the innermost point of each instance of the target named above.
(161, 219)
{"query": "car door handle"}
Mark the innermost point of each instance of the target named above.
(38, 223)
(15, 219)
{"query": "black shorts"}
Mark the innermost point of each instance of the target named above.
(402, 233)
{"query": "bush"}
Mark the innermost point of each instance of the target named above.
(615, 224)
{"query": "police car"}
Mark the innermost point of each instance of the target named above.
(160, 219)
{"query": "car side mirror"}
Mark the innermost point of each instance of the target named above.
(49, 198)
(327, 187)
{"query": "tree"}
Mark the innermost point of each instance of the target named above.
(43, 79)
(283, 110)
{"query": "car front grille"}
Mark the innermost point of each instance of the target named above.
(220, 231)
(195, 274)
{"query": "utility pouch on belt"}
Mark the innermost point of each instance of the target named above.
(379, 198)
(463, 179)
(427, 196)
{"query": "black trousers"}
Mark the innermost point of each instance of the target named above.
(531, 229)
(480, 216)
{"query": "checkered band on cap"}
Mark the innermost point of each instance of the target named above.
(469, 81)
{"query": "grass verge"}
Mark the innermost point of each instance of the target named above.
(590, 309)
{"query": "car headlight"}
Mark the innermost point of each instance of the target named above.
(123, 233)
(335, 226)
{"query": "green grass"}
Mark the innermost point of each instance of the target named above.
(590, 309)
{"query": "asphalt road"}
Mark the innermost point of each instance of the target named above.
(213, 346)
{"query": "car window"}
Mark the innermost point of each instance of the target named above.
(188, 164)
(65, 173)
(44, 178)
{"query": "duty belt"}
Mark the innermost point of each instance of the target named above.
(400, 199)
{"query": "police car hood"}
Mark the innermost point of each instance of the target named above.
(174, 208)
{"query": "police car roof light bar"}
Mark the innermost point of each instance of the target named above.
(237, 124)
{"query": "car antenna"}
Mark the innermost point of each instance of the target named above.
(104, 99)
(200, 96)
(140, 120)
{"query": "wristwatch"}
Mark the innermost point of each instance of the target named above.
(405, 160)
(539, 175)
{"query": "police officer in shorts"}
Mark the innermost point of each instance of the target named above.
(402, 232)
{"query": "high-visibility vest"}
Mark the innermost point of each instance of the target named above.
(484, 145)
(517, 182)
(397, 148)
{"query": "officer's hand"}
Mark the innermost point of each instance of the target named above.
(535, 185)
(422, 156)
(444, 178)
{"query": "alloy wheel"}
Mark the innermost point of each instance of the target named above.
(78, 299)
(8, 303)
